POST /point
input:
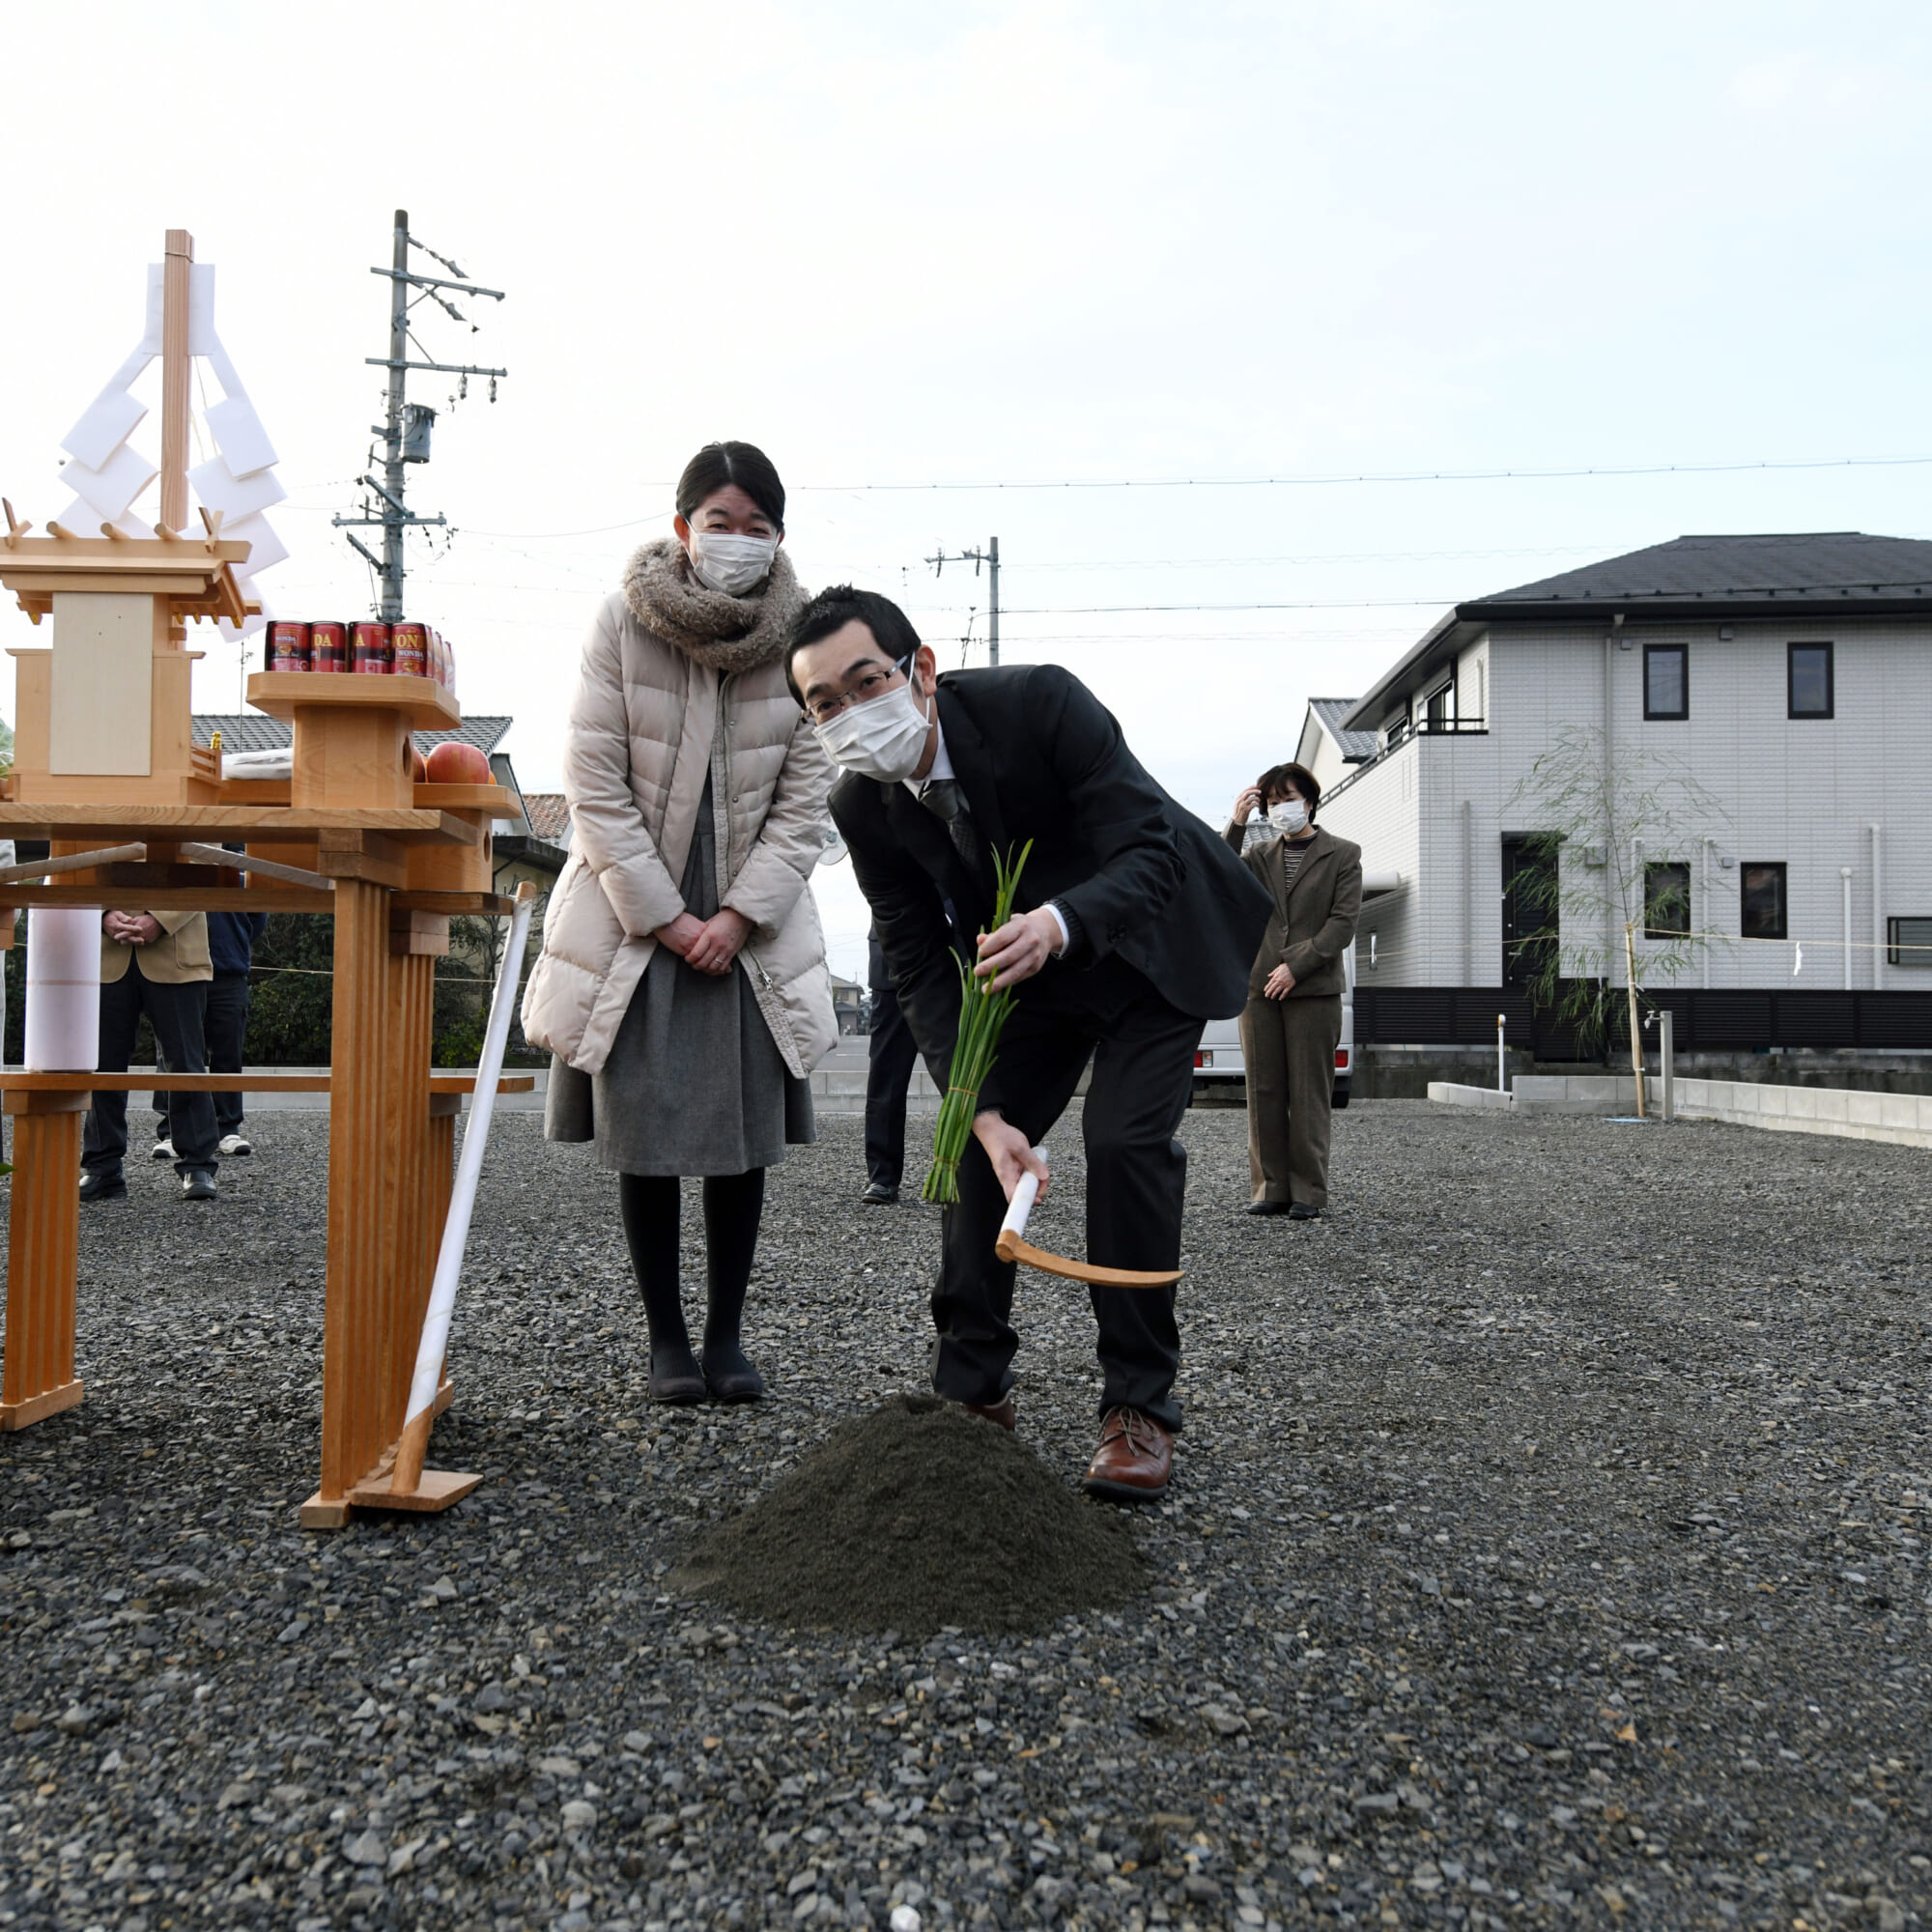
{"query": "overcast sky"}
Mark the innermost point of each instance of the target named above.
(1010, 244)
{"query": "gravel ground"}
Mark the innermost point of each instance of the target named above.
(1546, 1547)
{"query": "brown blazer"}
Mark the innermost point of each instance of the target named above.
(179, 955)
(1314, 919)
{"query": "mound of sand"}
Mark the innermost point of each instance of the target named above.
(915, 1516)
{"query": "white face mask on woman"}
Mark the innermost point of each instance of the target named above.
(884, 739)
(1288, 814)
(733, 566)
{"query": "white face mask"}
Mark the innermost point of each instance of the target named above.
(1288, 814)
(883, 740)
(734, 566)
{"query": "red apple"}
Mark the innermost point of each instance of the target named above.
(419, 765)
(456, 763)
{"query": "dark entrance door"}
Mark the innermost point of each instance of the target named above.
(1529, 910)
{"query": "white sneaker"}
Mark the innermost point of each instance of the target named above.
(235, 1144)
(163, 1151)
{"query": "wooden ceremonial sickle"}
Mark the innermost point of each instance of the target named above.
(1010, 1247)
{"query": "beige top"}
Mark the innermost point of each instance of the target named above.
(179, 955)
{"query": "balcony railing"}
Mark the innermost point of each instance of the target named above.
(1422, 727)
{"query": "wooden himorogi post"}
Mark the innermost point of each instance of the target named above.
(104, 756)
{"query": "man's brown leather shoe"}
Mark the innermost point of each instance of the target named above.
(1004, 1412)
(1133, 1464)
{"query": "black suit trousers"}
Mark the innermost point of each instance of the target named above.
(175, 1012)
(1143, 1054)
(891, 1055)
(224, 1026)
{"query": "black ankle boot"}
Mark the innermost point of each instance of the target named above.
(675, 1377)
(727, 1371)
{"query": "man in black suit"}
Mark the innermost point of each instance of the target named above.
(1133, 924)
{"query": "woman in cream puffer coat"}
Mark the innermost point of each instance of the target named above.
(682, 989)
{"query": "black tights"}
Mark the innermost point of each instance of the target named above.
(734, 1203)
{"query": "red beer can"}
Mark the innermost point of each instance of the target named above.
(370, 648)
(409, 650)
(288, 646)
(329, 646)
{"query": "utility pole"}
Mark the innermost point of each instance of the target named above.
(406, 428)
(990, 557)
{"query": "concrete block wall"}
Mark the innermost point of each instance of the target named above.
(1903, 1119)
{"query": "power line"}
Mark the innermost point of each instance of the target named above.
(1335, 480)
(1393, 476)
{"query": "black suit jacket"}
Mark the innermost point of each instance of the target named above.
(1140, 877)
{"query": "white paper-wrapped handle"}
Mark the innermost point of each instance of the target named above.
(1024, 1196)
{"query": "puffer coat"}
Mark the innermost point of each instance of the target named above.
(668, 662)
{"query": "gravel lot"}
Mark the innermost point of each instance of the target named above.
(1546, 1547)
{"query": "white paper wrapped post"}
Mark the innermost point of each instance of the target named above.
(62, 989)
(413, 1442)
(1024, 1196)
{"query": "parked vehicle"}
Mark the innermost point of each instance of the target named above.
(1218, 1059)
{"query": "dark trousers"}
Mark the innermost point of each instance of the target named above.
(175, 1012)
(224, 1023)
(890, 1056)
(1143, 1055)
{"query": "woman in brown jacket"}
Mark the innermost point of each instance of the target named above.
(1293, 1021)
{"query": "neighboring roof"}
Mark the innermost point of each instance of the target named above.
(1356, 746)
(547, 813)
(243, 730)
(1768, 575)
(250, 732)
(1819, 566)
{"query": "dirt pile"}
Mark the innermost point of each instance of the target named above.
(913, 1517)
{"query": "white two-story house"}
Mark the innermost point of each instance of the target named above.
(1788, 680)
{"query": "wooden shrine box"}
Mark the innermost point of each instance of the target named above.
(103, 714)
(353, 748)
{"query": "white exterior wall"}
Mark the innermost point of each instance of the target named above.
(1380, 814)
(1804, 793)
(1327, 761)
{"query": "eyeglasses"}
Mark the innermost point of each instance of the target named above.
(866, 687)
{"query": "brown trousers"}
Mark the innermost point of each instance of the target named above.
(1289, 1049)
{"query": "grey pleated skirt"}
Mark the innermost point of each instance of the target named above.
(694, 1084)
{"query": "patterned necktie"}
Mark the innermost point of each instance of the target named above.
(942, 798)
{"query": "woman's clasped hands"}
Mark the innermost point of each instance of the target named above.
(708, 945)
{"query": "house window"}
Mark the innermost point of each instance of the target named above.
(1809, 681)
(1907, 942)
(1666, 899)
(1440, 708)
(1666, 681)
(1761, 898)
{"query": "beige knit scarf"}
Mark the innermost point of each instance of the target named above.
(724, 634)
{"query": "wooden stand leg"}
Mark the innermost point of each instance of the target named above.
(42, 1258)
(353, 1383)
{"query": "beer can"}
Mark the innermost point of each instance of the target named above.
(288, 646)
(369, 648)
(409, 650)
(329, 646)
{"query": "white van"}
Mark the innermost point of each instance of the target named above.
(1218, 1057)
